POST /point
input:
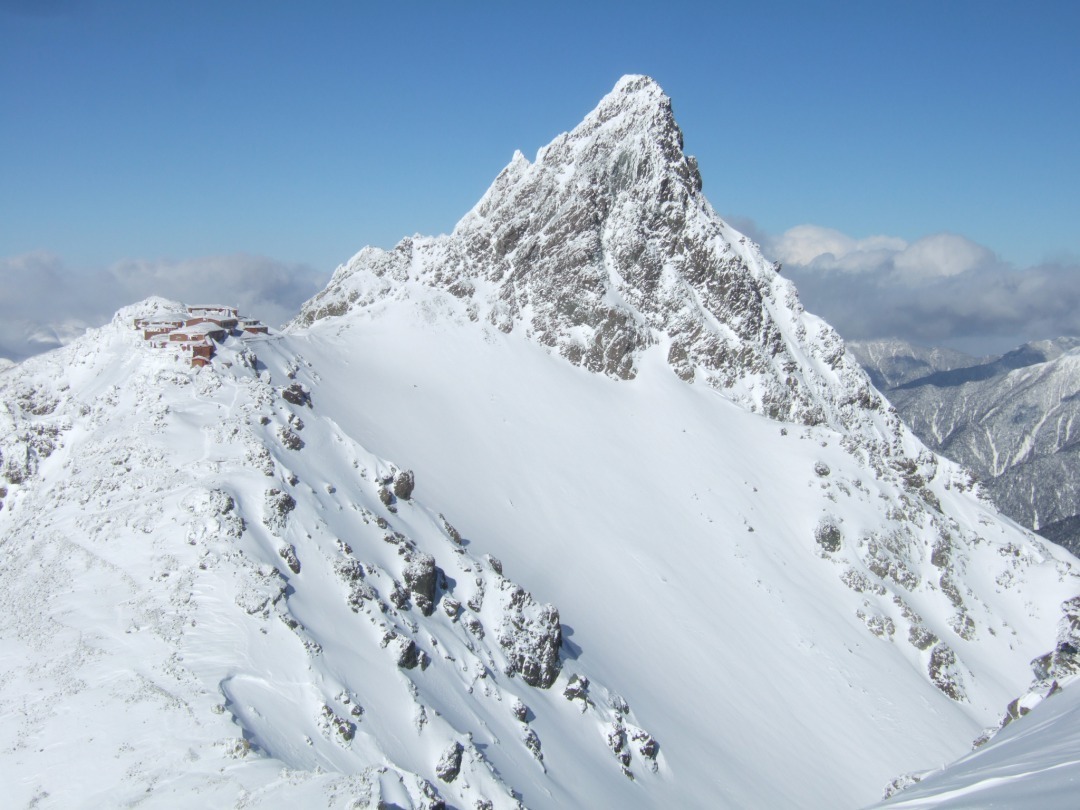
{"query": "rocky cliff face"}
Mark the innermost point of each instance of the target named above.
(605, 246)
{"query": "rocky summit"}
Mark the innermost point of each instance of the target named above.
(605, 246)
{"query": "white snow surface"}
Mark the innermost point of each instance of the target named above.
(676, 532)
(203, 571)
(1033, 762)
(157, 648)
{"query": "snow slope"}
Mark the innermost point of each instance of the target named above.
(212, 596)
(823, 598)
(1034, 762)
(681, 533)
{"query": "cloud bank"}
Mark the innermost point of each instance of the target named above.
(942, 289)
(45, 304)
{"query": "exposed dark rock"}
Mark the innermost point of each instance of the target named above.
(450, 530)
(828, 535)
(941, 553)
(404, 482)
(288, 554)
(449, 764)
(577, 688)
(349, 569)
(433, 800)
(902, 782)
(948, 587)
(1064, 659)
(648, 747)
(476, 601)
(399, 597)
(473, 625)
(296, 394)
(531, 636)
(616, 740)
(963, 625)
(421, 576)
(944, 673)
(920, 637)
(407, 654)
(880, 626)
(289, 440)
(532, 742)
(451, 607)
(277, 506)
(346, 729)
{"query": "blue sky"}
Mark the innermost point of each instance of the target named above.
(135, 133)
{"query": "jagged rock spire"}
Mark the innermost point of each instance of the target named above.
(604, 248)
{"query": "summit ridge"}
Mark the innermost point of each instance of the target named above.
(603, 248)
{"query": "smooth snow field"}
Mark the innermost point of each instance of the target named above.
(676, 533)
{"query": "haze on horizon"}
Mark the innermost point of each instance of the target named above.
(913, 167)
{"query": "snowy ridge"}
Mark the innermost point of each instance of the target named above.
(1032, 763)
(210, 591)
(605, 246)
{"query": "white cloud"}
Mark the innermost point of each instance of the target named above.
(941, 254)
(940, 289)
(268, 289)
(828, 248)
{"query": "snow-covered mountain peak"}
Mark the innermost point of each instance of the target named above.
(636, 113)
(604, 248)
(629, 144)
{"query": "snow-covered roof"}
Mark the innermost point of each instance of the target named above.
(207, 308)
(199, 329)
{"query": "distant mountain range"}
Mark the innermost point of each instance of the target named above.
(1013, 419)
